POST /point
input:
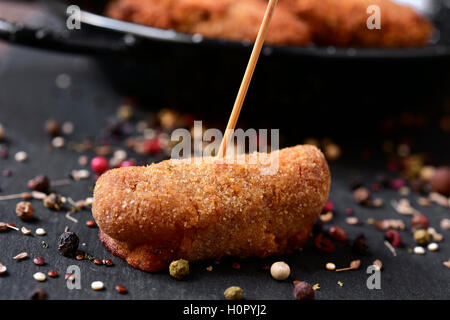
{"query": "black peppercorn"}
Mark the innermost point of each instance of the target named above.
(360, 245)
(39, 183)
(68, 244)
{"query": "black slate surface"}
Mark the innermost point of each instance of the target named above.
(29, 96)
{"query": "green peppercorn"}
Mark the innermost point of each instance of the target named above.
(233, 293)
(179, 269)
(421, 236)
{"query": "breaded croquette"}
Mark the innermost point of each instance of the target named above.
(179, 209)
(343, 23)
(225, 19)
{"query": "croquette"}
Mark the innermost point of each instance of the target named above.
(225, 19)
(180, 209)
(344, 23)
(340, 23)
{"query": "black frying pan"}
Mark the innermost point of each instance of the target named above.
(132, 38)
(299, 89)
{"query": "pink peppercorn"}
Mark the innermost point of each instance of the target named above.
(99, 164)
(328, 206)
(152, 146)
(419, 220)
(396, 184)
(127, 163)
(393, 237)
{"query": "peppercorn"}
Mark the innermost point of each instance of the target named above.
(107, 262)
(440, 181)
(52, 127)
(68, 244)
(39, 261)
(338, 233)
(99, 164)
(362, 195)
(419, 220)
(179, 269)
(303, 291)
(328, 207)
(39, 183)
(52, 273)
(53, 201)
(91, 223)
(280, 270)
(233, 293)
(121, 289)
(421, 236)
(39, 294)
(360, 245)
(24, 210)
(393, 237)
(98, 262)
(324, 244)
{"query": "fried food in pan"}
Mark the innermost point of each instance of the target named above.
(179, 209)
(225, 19)
(343, 23)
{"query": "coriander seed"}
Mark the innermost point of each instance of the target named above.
(280, 270)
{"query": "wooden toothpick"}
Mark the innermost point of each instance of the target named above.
(247, 77)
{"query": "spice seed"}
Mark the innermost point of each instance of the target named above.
(40, 232)
(39, 276)
(433, 246)
(3, 226)
(97, 285)
(25, 231)
(21, 256)
(91, 224)
(121, 289)
(52, 273)
(69, 276)
(419, 250)
(280, 270)
(39, 261)
(2, 269)
(378, 264)
(108, 262)
(98, 262)
(330, 266)
(79, 256)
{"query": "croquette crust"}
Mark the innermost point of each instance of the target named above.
(180, 209)
(225, 19)
(344, 23)
(296, 22)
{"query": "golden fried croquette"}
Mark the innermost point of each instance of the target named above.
(343, 23)
(226, 19)
(178, 209)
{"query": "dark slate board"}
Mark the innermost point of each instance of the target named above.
(28, 96)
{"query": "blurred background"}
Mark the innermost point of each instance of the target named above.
(117, 91)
